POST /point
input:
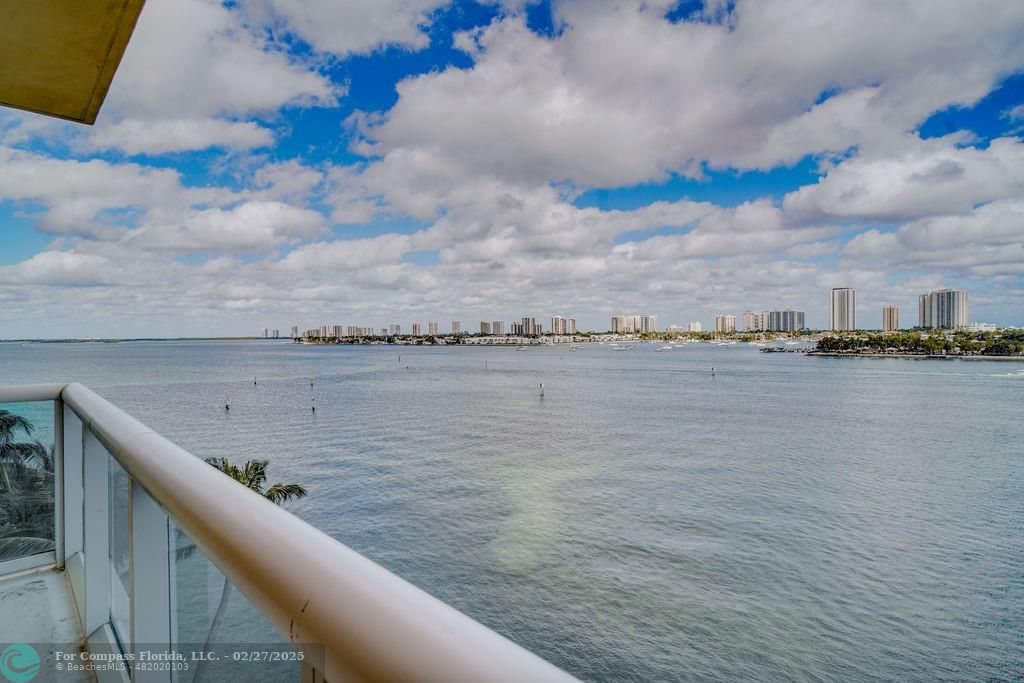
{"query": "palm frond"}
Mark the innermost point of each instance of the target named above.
(26, 504)
(22, 546)
(185, 552)
(281, 493)
(254, 474)
(10, 423)
(33, 454)
(227, 467)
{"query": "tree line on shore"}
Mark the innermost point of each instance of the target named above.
(959, 342)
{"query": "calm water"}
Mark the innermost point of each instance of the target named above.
(791, 518)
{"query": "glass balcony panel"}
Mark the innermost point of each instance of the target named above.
(27, 503)
(120, 580)
(210, 615)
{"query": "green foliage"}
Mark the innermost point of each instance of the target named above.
(26, 490)
(253, 475)
(931, 342)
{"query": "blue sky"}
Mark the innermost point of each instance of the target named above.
(264, 163)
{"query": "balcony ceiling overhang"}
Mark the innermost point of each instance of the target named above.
(58, 57)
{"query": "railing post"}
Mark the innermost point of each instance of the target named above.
(149, 558)
(96, 532)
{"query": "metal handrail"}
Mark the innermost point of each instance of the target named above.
(370, 624)
(24, 393)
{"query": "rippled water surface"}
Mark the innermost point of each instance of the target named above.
(789, 517)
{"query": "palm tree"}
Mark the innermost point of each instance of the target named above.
(252, 475)
(26, 491)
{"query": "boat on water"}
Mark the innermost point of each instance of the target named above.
(663, 348)
(520, 348)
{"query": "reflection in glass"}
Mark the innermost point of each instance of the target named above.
(120, 581)
(26, 480)
(210, 615)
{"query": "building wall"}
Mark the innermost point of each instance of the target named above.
(843, 309)
(625, 324)
(943, 309)
(725, 323)
(890, 318)
(784, 321)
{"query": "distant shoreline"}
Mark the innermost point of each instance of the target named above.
(136, 339)
(911, 356)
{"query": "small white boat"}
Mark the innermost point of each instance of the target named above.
(520, 348)
(663, 348)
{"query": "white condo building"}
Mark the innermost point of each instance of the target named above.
(456, 327)
(756, 321)
(634, 323)
(432, 328)
(695, 326)
(944, 309)
(890, 318)
(784, 321)
(843, 309)
(527, 326)
(560, 325)
(725, 323)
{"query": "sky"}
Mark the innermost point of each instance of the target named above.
(264, 163)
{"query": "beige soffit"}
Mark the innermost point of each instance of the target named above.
(58, 57)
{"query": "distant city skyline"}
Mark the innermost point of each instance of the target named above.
(944, 309)
(253, 167)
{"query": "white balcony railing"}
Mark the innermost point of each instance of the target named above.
(350, 618)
